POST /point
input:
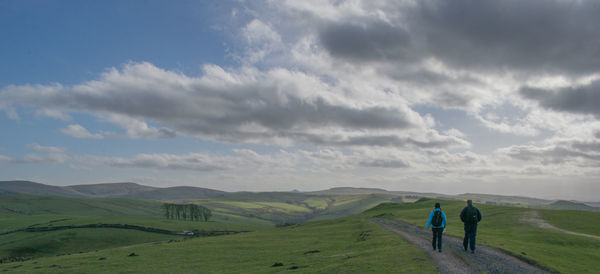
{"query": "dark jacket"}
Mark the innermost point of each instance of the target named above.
(470, 215)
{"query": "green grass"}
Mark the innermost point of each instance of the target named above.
(48, 243)
(318, 203)
(321, 247)
(577, 221)
(504, 228)
(39, 244)
(351, 205)
(281, 208)
(21, 204)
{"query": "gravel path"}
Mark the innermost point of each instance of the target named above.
(454, 259)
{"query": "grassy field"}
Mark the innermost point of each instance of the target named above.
(503, 227)
(49, 243)
(34, 244)
(578, 221)
(288, 208)
(347, 245)
(21, 204)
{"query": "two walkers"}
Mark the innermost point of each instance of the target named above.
(470, 216)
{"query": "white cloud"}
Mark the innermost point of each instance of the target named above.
(4, 159)
(338, 85)
(48, 149)
(78, 131)
(53, 113)
(246, 105)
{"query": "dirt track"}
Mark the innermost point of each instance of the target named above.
(533, 217)
(454, 259)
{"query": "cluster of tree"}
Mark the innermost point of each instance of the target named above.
(190, 212)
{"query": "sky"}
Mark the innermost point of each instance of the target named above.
(464, 96)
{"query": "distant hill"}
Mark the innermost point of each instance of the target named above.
(111, 189)
(26, 187)
(24, 204)
(350, 191)
(178, 193)
(137, 191)
(593, 204)
(570, 205)
(502, 199)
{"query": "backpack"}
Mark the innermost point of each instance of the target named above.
(472, 215)
(437, 218)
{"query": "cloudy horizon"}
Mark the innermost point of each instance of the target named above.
(496, 97)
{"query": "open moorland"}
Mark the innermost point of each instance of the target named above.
(330, 231)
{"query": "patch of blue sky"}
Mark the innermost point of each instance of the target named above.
(73, 41)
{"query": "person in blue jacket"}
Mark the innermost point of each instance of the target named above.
(437, 222)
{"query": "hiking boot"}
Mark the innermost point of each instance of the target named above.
(472, 251)
(440, 250)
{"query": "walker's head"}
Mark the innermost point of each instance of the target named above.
(470, 202)
(437, 205)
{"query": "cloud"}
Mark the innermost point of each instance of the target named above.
(78, 131)
(533, 36)
(367, 41)
(47, 149)
(247, 105)
(198, 162)
(579, 153)
(240, 159)
(388, 163)
(52, 113)
(51, 155)
(135, 128)
(5, 159)
(576, 99)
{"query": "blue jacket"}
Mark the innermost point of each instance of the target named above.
(431, 217)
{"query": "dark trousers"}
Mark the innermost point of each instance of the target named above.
(470, 233)
(437, 237)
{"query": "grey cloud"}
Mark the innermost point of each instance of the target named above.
(166, 161)
(536, 35)
(372, 40)
(219, 105)
(556, 154)
(445, 91)
(587, 146)
(583, 99)
(241, 159)
(381, 141)
(385, 163)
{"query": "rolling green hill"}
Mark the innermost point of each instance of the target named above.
(290, 208)
(179, 193)
(21, 204)
(111, 189)
(569, 205)
(347, 245)
(36, 226)
(26, 187)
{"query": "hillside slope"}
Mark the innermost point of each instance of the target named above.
(110, 189)
(27, 187)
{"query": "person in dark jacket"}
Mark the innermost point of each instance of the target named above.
(470, 216)
(437, 226)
